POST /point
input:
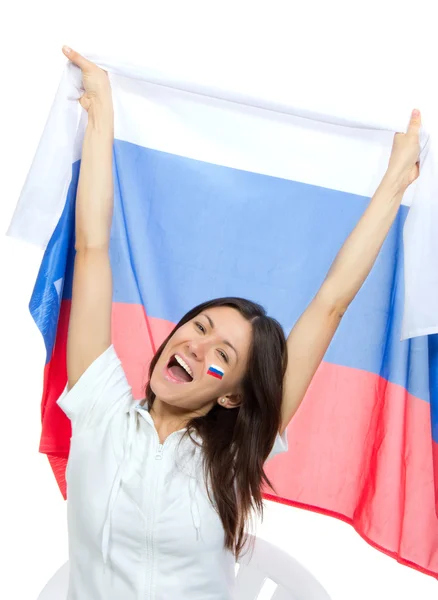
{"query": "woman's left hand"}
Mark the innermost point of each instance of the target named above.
(404, 165)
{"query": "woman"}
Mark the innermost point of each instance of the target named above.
(160, 491)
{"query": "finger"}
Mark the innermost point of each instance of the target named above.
(77, 59)
(415, 122)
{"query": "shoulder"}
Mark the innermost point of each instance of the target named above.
(101, 390)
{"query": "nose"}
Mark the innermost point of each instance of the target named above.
(198, 348)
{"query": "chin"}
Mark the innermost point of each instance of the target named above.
(166, 391)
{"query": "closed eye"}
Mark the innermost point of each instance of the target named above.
(200, 327)
(223, 356)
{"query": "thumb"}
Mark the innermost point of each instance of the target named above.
(415, 122)
(77, 59)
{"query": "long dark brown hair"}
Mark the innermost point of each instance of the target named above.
(236, 442)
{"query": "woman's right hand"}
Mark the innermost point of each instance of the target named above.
(95, 81)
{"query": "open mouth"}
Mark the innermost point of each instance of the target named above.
(178, 370)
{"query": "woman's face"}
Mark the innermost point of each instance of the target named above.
(219, 337)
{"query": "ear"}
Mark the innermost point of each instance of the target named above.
(230, 401)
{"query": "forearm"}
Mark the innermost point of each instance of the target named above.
(94, 201)
(359, 252)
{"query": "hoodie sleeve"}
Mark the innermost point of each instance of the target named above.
(101, 391)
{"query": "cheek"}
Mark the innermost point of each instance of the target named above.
(218, 386)
(213, 383)
(157, 383)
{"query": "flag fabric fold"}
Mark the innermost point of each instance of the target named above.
(223, 193)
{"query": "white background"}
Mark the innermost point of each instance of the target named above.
(369, 52)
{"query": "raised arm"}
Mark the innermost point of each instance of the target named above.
(314, 330)
(89, 332)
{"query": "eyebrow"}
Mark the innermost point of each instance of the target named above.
(227, 343)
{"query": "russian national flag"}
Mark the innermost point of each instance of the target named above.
(222, 195)
(215, 371)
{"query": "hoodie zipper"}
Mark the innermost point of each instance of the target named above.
(150, 543)
(157, 490)
(159, 452)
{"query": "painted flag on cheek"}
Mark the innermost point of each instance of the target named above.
(236, 197)
(215, 371)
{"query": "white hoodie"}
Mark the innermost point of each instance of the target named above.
(141, 525)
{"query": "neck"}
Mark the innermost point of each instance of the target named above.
(168, 419)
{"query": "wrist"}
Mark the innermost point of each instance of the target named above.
(394, 183)
(101, 116)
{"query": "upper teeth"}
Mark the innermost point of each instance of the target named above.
(184, 365)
